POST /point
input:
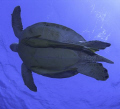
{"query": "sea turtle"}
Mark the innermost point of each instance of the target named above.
(55, 51)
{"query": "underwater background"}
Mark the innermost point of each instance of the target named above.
(94, 20)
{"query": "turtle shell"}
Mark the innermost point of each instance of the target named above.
(52, 31)
(49, 60)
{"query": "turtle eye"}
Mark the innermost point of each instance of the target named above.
(106, 77)
(105, 70)
(100, 64)
(47, 25)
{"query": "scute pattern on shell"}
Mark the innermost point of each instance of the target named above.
(53, 32)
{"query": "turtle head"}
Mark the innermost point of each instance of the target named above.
(14, 47)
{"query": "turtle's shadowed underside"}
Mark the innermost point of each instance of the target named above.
(55, 51)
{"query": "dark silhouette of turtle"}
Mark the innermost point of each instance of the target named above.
(55, 51)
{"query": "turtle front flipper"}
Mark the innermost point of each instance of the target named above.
(16, 21)
(95, 44)
(95, 70)
(28, 78)
(37, 42)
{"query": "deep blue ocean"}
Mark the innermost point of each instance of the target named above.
(94, 20)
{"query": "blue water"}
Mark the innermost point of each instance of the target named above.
(94, 20)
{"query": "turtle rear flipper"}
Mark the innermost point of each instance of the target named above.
(99, 58)
(16, 21)
(27, 78)
(95, 44)
(95, 70)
